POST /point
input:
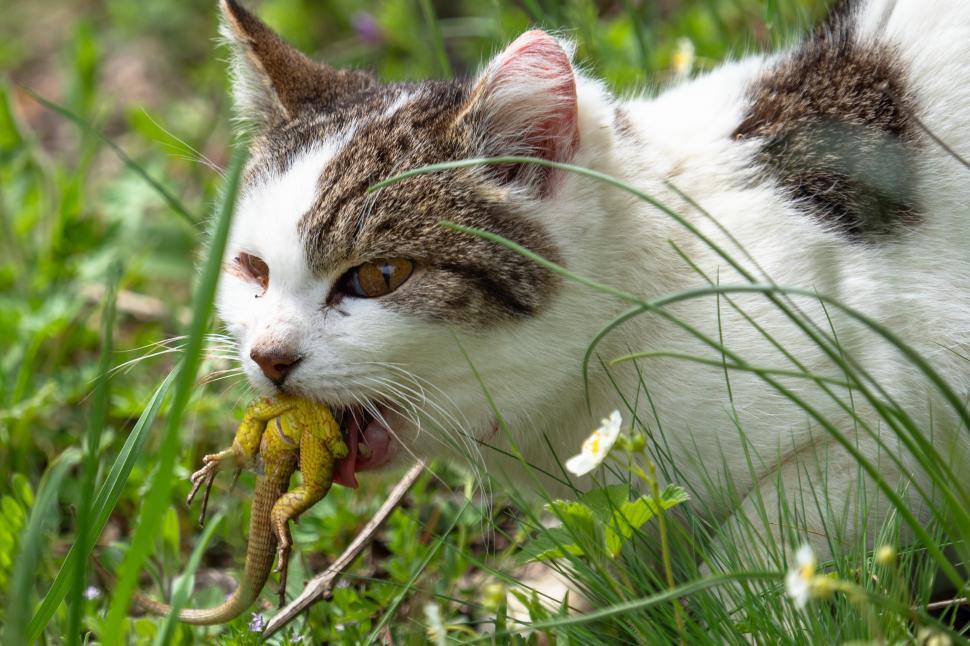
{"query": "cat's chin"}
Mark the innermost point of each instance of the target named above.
(370, 441)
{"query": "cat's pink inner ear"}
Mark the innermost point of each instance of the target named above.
(527, 97)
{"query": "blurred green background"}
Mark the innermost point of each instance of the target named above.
(150, 76)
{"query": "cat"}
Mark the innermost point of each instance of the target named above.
(822, 167)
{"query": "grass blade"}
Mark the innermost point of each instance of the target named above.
(96, 423)
(135, 167)
(159, 496)
(32, 545)
(181, 594)
(438, 42)
(104, 504)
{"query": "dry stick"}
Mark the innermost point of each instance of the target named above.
(320, 585)
(937, 605)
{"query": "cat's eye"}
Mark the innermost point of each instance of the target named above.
(376, 278)
(253, 268)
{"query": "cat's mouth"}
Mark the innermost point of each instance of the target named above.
(369, 440)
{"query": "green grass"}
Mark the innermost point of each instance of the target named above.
(110, 117)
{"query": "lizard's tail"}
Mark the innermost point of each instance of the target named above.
(260, 554)
(242, 597)
(231, 608)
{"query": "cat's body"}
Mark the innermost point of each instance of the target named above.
(815, 161)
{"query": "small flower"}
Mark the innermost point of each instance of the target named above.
(886, 555)
(91, 593)
(437, 631)
(366, 27)
(493, 596)
(929, 637)
(597, 446)
(257, 623)
(801, 576)
(683, 59)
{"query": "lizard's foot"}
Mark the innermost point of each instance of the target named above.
(211, 464)
(282, 565)
(282, 557)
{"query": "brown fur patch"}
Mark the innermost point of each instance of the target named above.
(462, 278)
(837, 130)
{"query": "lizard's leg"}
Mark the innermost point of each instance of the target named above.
(244, 449)
(316, 464)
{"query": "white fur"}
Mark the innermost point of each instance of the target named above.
(918, 285)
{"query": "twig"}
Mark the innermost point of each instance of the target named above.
(319, 586)
(937, 605)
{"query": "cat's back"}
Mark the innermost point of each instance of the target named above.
(835, 163)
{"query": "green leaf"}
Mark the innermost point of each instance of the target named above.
(21, 488)
(170, 530)
(552, 543)
(13, 513)
(572, 513)
(10, 137)
(606, 500)
(630, 516)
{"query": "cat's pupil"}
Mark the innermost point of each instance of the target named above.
(386, 272)
(375, 279)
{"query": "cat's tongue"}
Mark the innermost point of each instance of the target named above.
(369, 443)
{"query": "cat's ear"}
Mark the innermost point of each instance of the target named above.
(272, 80)
(524, 103)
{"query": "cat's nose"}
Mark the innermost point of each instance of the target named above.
(275, 361)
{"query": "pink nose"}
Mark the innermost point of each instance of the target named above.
(276, 362)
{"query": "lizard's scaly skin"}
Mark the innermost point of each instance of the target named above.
(279, 433)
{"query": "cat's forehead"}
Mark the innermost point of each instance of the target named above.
(399, 109)
(370, 137)
(417, 128)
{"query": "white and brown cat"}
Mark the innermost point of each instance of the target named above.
(818, 161)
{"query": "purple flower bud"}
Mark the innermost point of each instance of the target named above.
(366, 28)
(257, 623)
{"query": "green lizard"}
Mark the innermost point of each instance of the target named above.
(278, 433)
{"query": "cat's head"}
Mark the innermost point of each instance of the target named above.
(364, 299)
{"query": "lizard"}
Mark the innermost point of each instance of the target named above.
(277, 434)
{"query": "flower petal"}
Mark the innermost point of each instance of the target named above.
(581, 464)
(805, 557)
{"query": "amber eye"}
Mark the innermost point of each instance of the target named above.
(253, 268)
(376, 278)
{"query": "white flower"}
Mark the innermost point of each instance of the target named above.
(683, 58)
(437, 631)
(91, 593)
(801, 576)
(597, 446)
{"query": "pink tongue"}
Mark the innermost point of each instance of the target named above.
(377, 439)
(344, 472)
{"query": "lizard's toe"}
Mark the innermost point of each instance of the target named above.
(282, 559)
